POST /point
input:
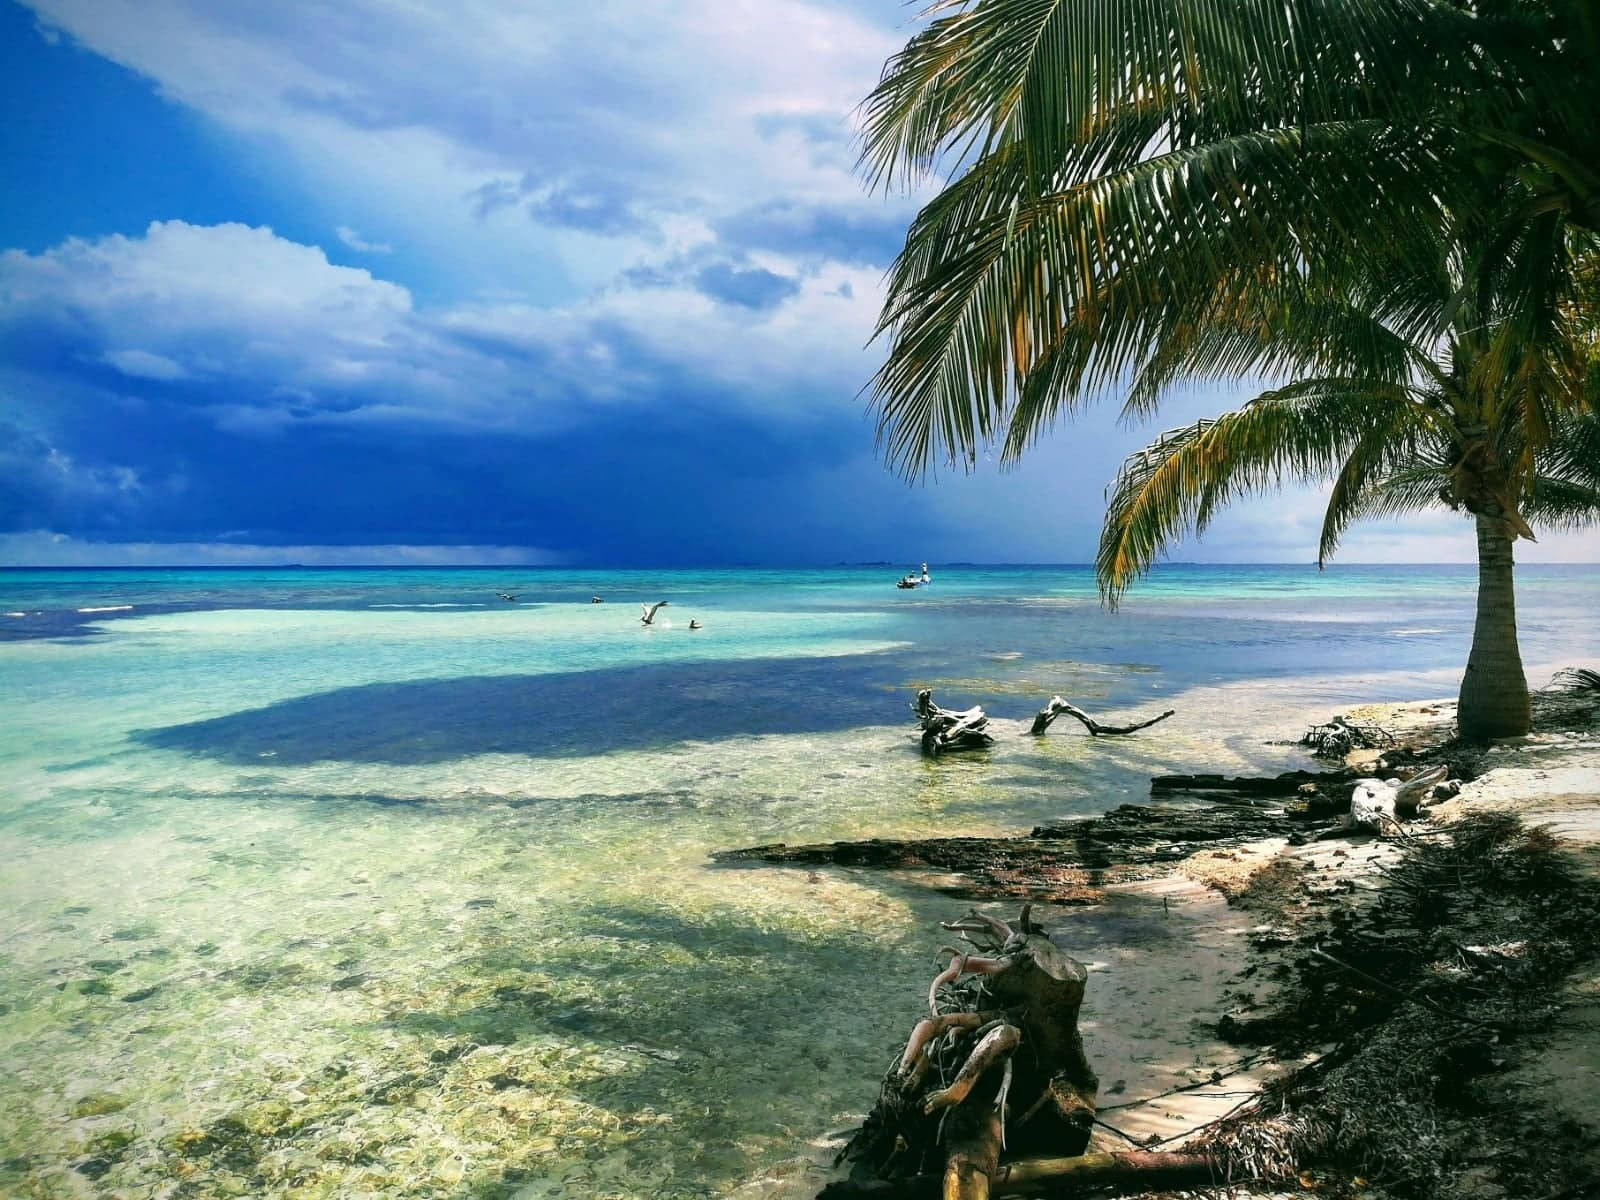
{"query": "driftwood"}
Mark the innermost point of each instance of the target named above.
(1105, 1174)
(996, 1067)
(1338, 737)
(1289, 783)
(1379, 805)
(1057, 706)
(944, 729)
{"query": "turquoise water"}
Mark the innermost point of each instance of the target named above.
(368, 882)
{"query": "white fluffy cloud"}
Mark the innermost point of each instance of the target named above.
(265, 331)
(360, 244)
(598, 206)
(587, 126)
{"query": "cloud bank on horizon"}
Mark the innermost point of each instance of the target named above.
(588, 283)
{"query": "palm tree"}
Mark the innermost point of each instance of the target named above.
(1119, 164)
(1498, 426)
(1146, 193)
(1388, 447)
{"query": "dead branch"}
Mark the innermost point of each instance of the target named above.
(1057, 706)
(1338, 737)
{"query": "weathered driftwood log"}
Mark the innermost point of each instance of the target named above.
(996, 1068)
(1114, 1174)
(1064, 863)
(1057, 706)
(1314, 794)
(944, 729)
(1287, 784)
(1379, 805)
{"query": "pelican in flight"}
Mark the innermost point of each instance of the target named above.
(649, 611)
(507, 596)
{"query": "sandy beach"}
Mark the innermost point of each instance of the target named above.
(1195, 952)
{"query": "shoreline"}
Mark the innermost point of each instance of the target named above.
(1190, 1034)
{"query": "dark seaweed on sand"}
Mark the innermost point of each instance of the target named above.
(1427, 996)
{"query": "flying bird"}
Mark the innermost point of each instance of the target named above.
(649, 611)
(693, 624)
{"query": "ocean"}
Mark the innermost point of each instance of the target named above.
(370, 882)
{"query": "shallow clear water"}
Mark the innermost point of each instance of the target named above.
(367, 882)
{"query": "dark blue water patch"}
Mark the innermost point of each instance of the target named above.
(556, 715)
(78, 624)
(51, 625)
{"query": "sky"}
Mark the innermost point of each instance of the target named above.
(469, 281)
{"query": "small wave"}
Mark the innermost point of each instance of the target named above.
(109, 608)
(1412, 632)
(16, 614)
(427, 606)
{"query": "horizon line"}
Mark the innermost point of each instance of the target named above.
(735, 566)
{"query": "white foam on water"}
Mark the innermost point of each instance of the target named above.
(108, 608)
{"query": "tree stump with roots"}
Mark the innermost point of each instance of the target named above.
(996, 1069)
(945, 729)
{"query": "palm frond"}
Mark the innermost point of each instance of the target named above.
(1304, 432)
(1560, 504)
(1389, 451)
(1047, 75)
(996, 293)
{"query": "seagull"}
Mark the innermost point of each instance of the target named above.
(506, 596)
(693, 624)
(649, 611)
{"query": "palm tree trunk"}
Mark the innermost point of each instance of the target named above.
(1494, 690)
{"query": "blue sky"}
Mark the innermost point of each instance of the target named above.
(477, 281)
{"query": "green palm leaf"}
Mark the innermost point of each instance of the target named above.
(1306, 431)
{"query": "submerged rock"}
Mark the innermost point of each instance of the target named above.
(93, 1168)
(98, 1104)
(270, 1118)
